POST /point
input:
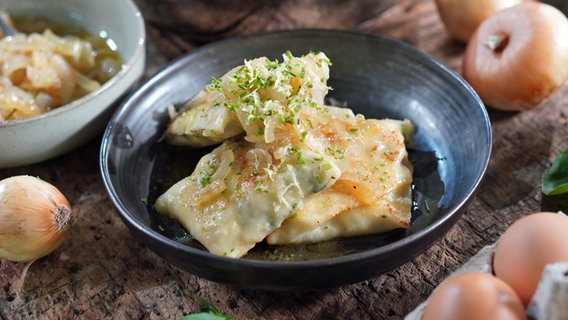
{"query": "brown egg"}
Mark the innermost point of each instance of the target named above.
(526, 247)
(474, 296)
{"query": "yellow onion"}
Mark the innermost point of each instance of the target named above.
(518, 56)
(34, 218)
(462, 17)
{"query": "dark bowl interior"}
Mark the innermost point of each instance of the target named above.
(377, 77)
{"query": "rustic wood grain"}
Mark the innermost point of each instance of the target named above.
(102, 272)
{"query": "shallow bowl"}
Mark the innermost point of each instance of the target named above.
(38, 138)
(377, 77)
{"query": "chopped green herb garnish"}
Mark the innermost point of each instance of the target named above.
(300, 158)
(327, 166)
(232, 107)
(261, 188)
(205, 179)
(215, 85)
(290, 73)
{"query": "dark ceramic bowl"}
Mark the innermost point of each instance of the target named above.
(377, 77)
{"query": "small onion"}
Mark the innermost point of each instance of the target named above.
(518, 56)
(34, 219)
(462, 17)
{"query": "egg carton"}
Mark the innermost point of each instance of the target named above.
(549, 300)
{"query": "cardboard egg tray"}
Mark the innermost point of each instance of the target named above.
(550, 301)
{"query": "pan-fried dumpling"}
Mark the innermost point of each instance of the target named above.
(289, 168)
(373, 193)
(241, 192)
(242, 98)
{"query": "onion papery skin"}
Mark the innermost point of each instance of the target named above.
(462, 17)
(532, 64)
(34, 218)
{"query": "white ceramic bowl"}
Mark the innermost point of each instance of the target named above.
(41, 137)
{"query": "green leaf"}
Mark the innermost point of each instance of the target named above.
(204, 316)
(555, 179)
(208, 312)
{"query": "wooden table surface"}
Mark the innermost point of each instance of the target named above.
(102, 272)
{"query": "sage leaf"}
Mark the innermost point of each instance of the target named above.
(208, 312)
(555, 179)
